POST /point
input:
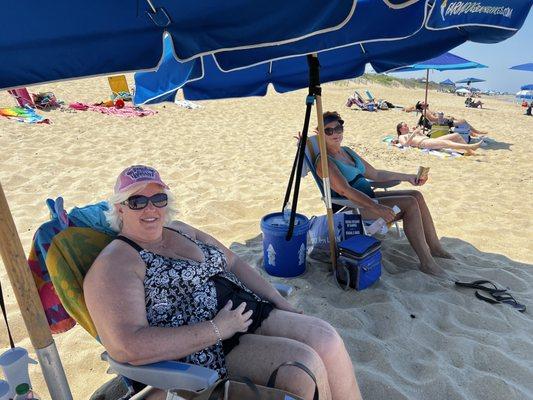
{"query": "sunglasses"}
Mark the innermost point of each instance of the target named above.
(330, 131)
(138, 202)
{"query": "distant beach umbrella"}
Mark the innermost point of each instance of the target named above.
(524, 67)
(527, 87)
(468, 81)
(525, 95)
(447, 82)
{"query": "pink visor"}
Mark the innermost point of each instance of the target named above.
(135, 175)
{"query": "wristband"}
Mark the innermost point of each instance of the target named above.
(217, 332)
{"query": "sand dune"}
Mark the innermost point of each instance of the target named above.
(411, 336)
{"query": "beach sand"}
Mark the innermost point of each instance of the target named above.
(410, 336)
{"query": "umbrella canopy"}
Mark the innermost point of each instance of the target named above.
(444, 62)
(525, 94)
(527, 87)
(468, 81)
(447, 82)
(463, 90)
(343, 62)
(48, 41)
(524, 67)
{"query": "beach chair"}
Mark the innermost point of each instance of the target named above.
(369, 96)
(22, 97)
(119, 87)
(312, 152)
(68, 251)
(357, 100)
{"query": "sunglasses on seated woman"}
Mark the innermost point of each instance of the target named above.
(337, 129)
(138, 202)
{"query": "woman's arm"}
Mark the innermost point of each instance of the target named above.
(381, 175)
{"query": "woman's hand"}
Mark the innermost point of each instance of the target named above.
(416, 182)
(229, 321)
(385, 212)
(282, 304)
(298, 137)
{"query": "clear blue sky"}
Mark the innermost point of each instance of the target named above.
(518, 49)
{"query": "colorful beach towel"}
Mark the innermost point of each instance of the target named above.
(125, 111)
(50, 248)
(23, 114)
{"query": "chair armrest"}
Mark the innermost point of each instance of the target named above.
(384, 185)
(166, 375)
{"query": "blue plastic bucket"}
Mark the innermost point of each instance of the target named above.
(281, 257)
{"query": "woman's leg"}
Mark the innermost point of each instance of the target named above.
(448, 144)
(257, 356)
(454, 137)
(413, 227)
(430, 233)
(324, 340)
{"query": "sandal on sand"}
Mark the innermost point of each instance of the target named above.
(502, 298)
(484, 285)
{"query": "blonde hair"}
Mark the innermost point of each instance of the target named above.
(112, 215)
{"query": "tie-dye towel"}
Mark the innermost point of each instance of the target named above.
(23, 114)
(62, 251)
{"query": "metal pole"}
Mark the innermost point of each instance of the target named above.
(425, 102)
(29, 304)
(325, 180)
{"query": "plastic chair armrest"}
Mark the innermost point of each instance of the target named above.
(384, 185)
(166, 375)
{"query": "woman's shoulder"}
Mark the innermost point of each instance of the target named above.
(182, 227)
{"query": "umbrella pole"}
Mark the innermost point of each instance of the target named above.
(425, 102)
(29, 304)
(325, 180)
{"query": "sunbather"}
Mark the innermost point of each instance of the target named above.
(470, 102)
(165, 290)
(417, 138)
(349, 174)
(440, 119)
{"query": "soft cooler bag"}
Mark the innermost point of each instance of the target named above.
(361, 255)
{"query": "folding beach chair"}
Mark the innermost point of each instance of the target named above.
(369, 95)
(22, 97)
(312, 152)
(119, 87)
(68, 252)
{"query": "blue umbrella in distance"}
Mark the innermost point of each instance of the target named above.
(448, 82)
(527, 87)
(523, 67)
(468, 81)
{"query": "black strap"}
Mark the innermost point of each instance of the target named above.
(130, 242)
(272, 379)
(218, 391)
(3, 306)
(296, 172)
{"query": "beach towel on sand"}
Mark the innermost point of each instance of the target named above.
(23, 114)
(126, 111)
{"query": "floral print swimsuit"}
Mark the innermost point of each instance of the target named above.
(185, 292)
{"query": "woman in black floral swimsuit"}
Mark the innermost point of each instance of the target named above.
(165, 290)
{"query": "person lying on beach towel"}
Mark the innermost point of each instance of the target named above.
(470, 102)
(432, 117)
(349, 177)
(417, 138)
(163, 290)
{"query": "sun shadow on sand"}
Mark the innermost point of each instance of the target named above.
(497, 145)
(412, 336)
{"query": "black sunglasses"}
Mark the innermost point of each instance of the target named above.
(138, 202)
(338, 129)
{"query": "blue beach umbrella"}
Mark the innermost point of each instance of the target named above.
(48, 41)
(346, 61)
(523, 67)
(468, 81)
(527, 87)
(447, 82)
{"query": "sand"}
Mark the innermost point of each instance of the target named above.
(410, 336)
